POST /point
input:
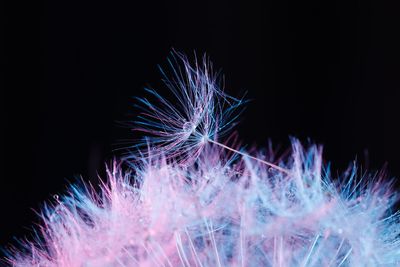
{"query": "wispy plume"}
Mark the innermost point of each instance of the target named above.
(198, 112)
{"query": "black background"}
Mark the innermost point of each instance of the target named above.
(324, 70)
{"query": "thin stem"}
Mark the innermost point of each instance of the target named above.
(251, 157)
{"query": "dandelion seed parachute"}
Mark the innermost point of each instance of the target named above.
(201, 111)
(217, 209)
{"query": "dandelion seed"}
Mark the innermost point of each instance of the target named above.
(208, 113)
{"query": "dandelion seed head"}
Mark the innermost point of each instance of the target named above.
(217, 209)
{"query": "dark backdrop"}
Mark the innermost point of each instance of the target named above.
(325, 71)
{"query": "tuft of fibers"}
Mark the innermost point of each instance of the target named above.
(189, 200)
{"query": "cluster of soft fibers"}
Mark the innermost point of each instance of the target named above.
(221, 211)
